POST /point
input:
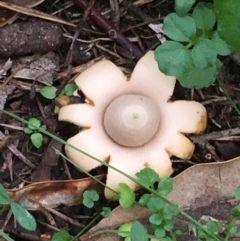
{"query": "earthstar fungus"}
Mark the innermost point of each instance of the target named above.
(131, 123)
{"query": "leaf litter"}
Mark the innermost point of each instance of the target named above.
(221, 117)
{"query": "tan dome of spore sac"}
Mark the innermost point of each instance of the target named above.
(131, 123)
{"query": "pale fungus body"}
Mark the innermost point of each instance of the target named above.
(130, 122)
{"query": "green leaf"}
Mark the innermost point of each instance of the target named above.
(106, 211)
(235, 212)
(204, 54)
(155, 219)
(147, 177)
(199, 78)
(236, 193)
(43, 127)
(36, 139)
(27, 130)
(179, 28)
(228, 16)
(4, 197)
(89, 197)
(61, 235)
(204, 16)
(165, 186)
(170, 211)
(160, 232)
(34, 123)
(126, 195)
(138, 232)
(183, 6)
(69, 89)
(168, 226)
(49, 92)
(173, 58)
(23, 217)
(213, 226)
(143, 201)
(156, 204)
(124, 230)
(221, 46)
(233, 230)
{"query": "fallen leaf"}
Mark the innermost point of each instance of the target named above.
(4, 92)
(4, 67)
(42, 70)
(202, 190)
(54, 193)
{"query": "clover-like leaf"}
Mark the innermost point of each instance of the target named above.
(49, 92)
(183, 6)
(126, 195)
(89, 197)
(165, 186)
(155, 219)
(69, 89)
(214, 226)
(34, 123)
(199, 78)
(106, 211)
(61, 235)
(173, 58)
(124, 230)
(156, 204)
(179, 28)
(37, 139)
(204, 54)
(221, 46)
(147, 177)
(204, 16)
(138, 232)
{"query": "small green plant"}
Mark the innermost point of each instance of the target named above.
(23, 217)
(163, 211)
(192, 53)
(61, 235)
(50, 92)
(32, 129)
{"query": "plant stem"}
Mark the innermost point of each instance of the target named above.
(85, 228)
(110, 29)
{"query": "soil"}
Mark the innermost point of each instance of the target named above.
(23, 99)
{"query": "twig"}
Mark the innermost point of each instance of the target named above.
(17, 153)
(203, 139)
(110, 29)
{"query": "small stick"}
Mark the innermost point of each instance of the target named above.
(203, 139)
(110, 29)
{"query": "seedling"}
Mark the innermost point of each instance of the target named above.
(35, 137)
(23, 217)
(192, 53)
(50, 92)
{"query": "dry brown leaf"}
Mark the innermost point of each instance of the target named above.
(54, 193)
(42, 70)
(4, 92)
(196, 188)
(8, 16)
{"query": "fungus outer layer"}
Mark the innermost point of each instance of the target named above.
(132, 120)
(104, 82)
